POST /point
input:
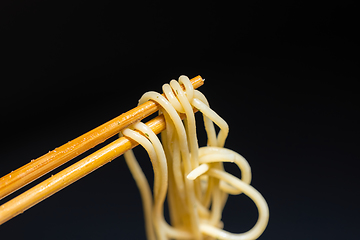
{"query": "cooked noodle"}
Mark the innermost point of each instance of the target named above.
(192, 179)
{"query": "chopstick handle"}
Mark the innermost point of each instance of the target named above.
(44, 164)
(73, 173)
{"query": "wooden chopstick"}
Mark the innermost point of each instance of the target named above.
(73, 173)
(44, 164)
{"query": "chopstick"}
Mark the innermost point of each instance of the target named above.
(46, 163)
(73, 173)
(83, 167)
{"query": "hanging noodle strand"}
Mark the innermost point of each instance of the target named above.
(192, 179)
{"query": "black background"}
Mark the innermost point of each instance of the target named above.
(283, 74)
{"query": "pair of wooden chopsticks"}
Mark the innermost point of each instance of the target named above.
(42, 165)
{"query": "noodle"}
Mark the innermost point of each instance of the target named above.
(192, 179)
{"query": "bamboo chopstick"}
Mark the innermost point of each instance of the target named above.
(44, 164)
(73, 173)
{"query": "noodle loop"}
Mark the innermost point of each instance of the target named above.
(192, 179)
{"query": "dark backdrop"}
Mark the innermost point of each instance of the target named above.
(283, 74)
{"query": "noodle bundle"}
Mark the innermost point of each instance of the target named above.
(192, 179)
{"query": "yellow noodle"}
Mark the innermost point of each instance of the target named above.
(193, 179)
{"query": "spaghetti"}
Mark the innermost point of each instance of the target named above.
(192, 179)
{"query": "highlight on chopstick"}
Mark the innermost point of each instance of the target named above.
(192, 180)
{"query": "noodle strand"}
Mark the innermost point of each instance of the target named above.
(192, 179)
